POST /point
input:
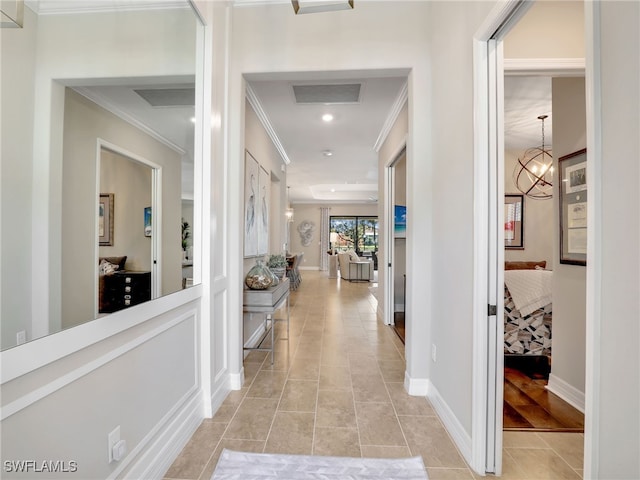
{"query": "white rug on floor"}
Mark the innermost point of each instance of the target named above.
(254, 466)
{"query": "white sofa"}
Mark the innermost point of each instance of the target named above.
(352, 267)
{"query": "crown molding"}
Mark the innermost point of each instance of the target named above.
(264, 120)
(104, 103)
(59, 7)
(392, 116)
(568, 67)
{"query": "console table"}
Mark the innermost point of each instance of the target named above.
(267, 301)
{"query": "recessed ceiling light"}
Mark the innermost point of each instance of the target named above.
(327, 153)
(333, 190)
(327, 117)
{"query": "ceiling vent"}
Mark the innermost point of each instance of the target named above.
(169, 97)
(327, 94)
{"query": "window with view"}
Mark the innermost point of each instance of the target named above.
(354, 233)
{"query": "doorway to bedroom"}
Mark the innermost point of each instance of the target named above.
(539, 104)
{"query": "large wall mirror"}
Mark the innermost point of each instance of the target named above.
(98, 125)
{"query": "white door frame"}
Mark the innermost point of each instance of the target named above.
(486, 437)
(156, 208)
(489, 68)
(388, 216)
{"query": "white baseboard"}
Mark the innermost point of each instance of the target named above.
(458, 434)
(309, 268)
(236, 380)
(417, 387)
(170, 441)
(565, 391)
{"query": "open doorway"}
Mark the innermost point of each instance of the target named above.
(496, 56)
(397, 236)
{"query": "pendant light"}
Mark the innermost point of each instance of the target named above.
(533, 174)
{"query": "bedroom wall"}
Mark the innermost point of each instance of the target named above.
(130, 182)
(569, 281)
(539, 218)
(84, 123)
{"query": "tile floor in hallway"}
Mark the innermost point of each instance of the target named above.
(336, 388)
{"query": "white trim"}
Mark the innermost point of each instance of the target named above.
(86, 368)
(110, 107)
(236, 380)
(450, 422)
(416, 387)
(483, 457)
(160, 455)
(558, 67)
(309, 268)
(254, 101)
(480, 255)
(387, 218)
(565, 391)
(16, 362)
(392, 116)
(64, 8)
(220, 394)
(594, 241)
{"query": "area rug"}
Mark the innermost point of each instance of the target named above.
(234, 465)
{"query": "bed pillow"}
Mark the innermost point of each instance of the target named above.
(107, 268)
(525, 265)
(119, 261)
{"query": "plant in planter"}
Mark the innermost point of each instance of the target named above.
(277, 264)
(186, 234)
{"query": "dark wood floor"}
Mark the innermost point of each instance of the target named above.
(398, 324)
(528, 405)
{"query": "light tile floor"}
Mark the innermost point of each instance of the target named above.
(336, 388)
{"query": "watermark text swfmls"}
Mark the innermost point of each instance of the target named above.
(40, 466)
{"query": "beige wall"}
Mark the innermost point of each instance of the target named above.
(85, 123)
(539, 218)
(259, 144)
(569, 281)
(563, 25)
(17, 64)
(311, 213)
(390, 148)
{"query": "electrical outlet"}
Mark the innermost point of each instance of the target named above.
(113, 439)
(433, 353)
(21, 337)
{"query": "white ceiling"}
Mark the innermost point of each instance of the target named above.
(351, 174)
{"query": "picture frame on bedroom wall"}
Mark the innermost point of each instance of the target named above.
(573, 200)
(514, 221)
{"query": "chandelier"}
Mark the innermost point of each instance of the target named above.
(533, 174)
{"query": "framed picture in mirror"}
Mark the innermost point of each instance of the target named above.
(105, 219)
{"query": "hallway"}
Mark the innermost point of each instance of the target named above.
(336, 388)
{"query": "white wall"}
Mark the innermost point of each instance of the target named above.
(613, 419)
(17, 57)
(539, 219)
(569, 281)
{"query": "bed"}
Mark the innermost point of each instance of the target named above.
(527, 308)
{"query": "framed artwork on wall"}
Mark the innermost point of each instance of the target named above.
(514, 221)
(105, 219)
(147, 221)
(573, 201)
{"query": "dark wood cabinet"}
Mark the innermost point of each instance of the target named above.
(124, 289)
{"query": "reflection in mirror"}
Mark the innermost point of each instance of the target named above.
(94, 103)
